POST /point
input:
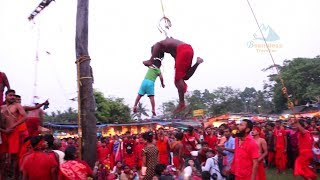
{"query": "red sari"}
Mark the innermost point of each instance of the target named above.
(281, 156)
(73, 169)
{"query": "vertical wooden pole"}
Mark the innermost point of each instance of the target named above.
(87, 119)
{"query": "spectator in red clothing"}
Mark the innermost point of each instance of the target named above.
(162, 144)
(189, 142)
(302, 164)
(210, 138)
(75, 169)
(38, 165)
(128, 151)
(138, 152)
(246, 153)
(103, 151)
(280, 136)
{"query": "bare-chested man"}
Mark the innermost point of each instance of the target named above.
(14, 115)
(183, 55)
(177, 149)
(263, 151)
(34, 120)
(3, 83)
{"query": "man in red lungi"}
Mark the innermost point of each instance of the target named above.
(183, 55)
(280, 136)
(302, 164)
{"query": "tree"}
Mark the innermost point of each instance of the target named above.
(111, 110)
(69, 116)
(167, 109)
(301, 77)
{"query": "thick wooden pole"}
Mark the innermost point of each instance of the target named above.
(85, 81)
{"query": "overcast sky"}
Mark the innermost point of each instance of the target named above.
(120, 36)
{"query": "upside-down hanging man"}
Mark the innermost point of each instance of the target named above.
(183, 55)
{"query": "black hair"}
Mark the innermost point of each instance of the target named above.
(17, 96)
(228, 128)
(159, 169)
(224, 126)
(190, 129)
(301, 122)
(35, 140)
(148, 136)
(70, 153)
(49, 138)
(10, 91)
(271, 124)
(179, 136)
(249, 124)
(204, 143)
(205, 175)
(157, 63)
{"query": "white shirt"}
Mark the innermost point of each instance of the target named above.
(213, 167)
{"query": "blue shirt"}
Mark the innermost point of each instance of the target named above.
(229, 144)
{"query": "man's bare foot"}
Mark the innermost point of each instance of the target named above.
(135, 109)
(199, 60)
(154, 113)
(147, 63)
(181, 107)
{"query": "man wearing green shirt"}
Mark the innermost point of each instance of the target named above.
(147, 86)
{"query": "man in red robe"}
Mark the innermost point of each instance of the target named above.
(302, 164)
(163, 147)
(280, 147)
(39, 165)
(128, 151)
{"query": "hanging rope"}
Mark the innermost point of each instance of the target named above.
(284, 89)
(164, 23)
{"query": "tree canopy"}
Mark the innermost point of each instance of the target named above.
(301, 76)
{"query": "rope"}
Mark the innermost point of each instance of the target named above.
(167, 22)
(80, 60)
(284, 89)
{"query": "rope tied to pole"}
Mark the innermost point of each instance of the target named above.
(284, 89)
(80, 60)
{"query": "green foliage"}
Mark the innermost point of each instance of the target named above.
(141, 110)
(223, 100)
(67, 117)
(111, 110)
(302, 79)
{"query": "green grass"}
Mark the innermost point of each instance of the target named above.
(272, 175)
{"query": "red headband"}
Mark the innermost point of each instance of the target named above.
(257, 129)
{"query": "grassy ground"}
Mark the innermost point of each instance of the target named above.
(272, 175)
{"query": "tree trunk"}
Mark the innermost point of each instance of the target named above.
(86, 98)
